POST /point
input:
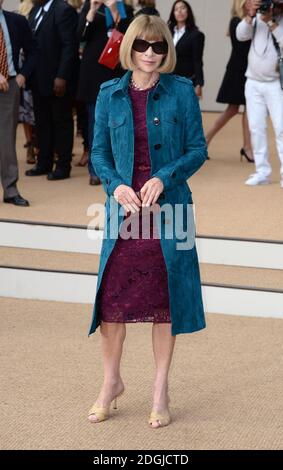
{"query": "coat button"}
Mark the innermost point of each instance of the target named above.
(157, 146)
(156, 96)
(175, 119)
(156, 121)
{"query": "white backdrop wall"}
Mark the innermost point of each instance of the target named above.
(10, 4)
(212, 18)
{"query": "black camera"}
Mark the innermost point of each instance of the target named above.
(265, 6)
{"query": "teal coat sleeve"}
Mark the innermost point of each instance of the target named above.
(101, 153)
(195, 148)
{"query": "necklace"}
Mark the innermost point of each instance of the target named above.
(137, 87)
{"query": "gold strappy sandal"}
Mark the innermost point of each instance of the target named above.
(102, 412)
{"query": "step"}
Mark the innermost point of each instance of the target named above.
(60, 262)
(224, 251)
(74, 287)
(45, 260)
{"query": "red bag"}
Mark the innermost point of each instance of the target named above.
(110, 54)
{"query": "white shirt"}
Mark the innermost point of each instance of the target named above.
(45, 8)
(178, 33)
(263, 57)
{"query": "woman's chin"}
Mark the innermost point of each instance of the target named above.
(148, 68)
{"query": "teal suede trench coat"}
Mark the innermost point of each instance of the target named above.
(177, 150)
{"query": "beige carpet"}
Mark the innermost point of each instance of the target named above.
(225, 383)
(224, 205)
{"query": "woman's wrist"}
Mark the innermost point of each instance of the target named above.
(91, 13)
(249, 18)
(272, 24)
(90, 16)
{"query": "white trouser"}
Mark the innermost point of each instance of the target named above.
(263, 98)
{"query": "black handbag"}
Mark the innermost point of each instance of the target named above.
(280, 60)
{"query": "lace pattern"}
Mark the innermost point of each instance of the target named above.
(134, 287)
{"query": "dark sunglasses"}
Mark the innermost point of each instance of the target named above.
(159, 47)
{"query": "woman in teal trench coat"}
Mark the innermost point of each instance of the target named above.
(177, 150)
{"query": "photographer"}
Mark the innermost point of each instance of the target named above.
(264, 95)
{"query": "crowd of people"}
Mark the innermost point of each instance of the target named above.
(49, 67)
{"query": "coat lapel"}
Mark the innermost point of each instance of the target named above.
(44, 19)
(32, 16)
(12, 31)
(184, 38)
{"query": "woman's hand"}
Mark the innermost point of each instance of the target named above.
(94, 5)
(4, 85)
(126, 196)
(254, 6)
(151, 191)
(21, 80)
(198, 90)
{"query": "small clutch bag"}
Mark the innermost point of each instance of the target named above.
(110, 54)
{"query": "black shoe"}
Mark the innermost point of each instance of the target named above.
(243, 153)
(94, 181)
(58, 175)
(17, 201)
(36, 171)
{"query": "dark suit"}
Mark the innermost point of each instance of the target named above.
(57, 58)
(189, 50)
(21, 38)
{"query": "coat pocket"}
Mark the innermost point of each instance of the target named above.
(174, 133)
(117, 128)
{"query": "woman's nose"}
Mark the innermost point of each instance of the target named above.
(149, 52)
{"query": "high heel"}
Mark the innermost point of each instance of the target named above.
(84, 159)
(94, 180)
(30, 158)
(243, 153)
(163, 418)
(102, 412)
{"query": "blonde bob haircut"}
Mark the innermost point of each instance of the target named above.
(150, 28)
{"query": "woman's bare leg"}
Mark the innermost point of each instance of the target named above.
(221, 121)
(247, 136)
(163, 346)
(28, 131)
(112, 339)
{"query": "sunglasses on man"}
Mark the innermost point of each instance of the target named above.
(159, 47)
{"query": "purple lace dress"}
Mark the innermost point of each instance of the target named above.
(134, 287)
